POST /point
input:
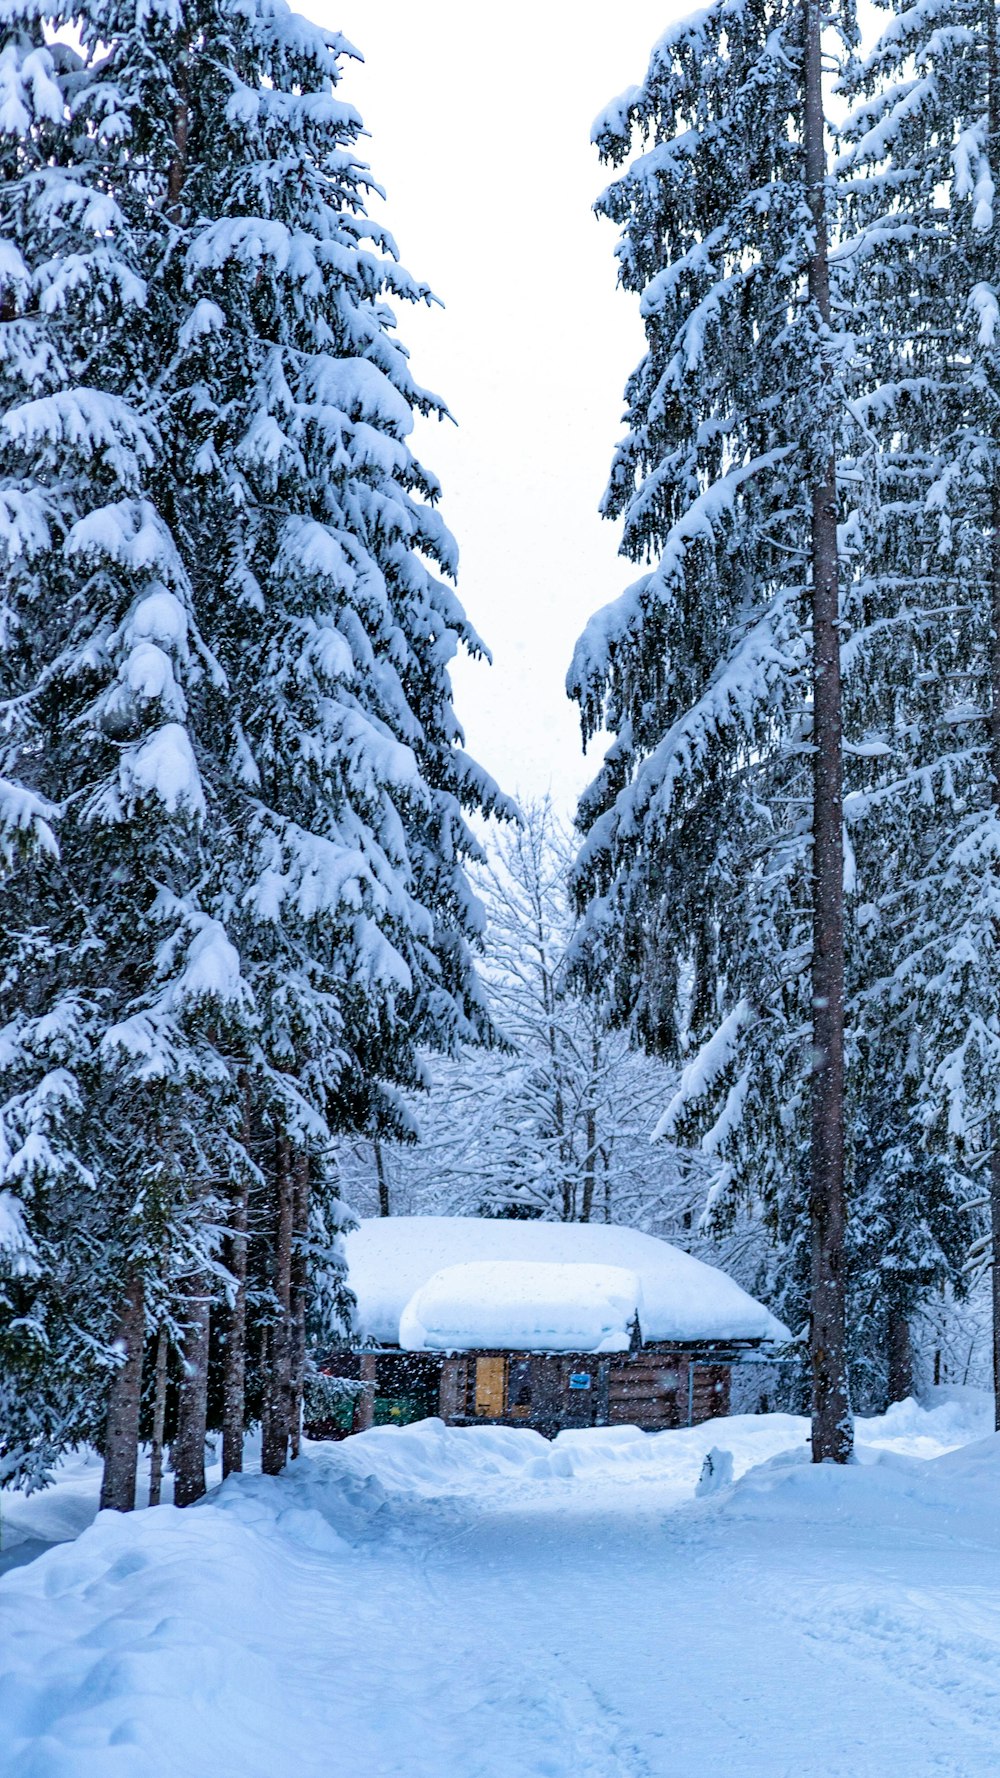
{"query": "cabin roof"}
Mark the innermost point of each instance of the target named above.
(464, 1282)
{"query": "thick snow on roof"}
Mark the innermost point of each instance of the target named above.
(391, 1258)
(526, 1305)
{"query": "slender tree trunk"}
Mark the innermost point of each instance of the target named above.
(177, 171)
(278, 1379)
(590, 1161)
(900, 1357)
(992, 147)
(159, 1417)
(832, 1433)
(590, 1165)
(234, 1360)
(300, 1284)
(995, 1273)
(234, 1347)
(995, 787)
(384, 1207)
(121, 1442)
(549, 996)
(188, 1449)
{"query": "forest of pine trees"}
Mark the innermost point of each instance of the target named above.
(244, 881)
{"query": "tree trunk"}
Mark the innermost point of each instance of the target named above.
(234, 1347)
(590, 1165)
(590, 1161)
(177, 171)
(121, 1443)
(832, 1433)
(993, 145)
(276, 1415)
(234, 1361)
(188, 1449)
(364, 1401)
(900, 1357)
(384, 1208)
(300, 1284)
(995, 1273)
(159, 1417)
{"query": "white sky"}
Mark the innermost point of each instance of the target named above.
(480, 124)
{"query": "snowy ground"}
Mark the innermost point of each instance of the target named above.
(426, 1603)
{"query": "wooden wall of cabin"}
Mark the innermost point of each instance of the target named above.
(656, 1390)
(711, 1391)
(652, 1389)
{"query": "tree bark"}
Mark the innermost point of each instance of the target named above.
(159, 1417)
(590, 1165)
(234, 1347)
(300, 1284)
(995, 788)
(188, 1449)
(234, 1361)
(177, 171)
(276, 1415)
(364, 1401)
(993, 146)
(590, 1159)
(995, 1272)
(900, 1357)
(121, 1443)
(384, 1207)
(832, 1432)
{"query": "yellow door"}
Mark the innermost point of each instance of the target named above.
(490, 1380)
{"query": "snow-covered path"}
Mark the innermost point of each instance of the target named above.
(682, 1650)
(430, 1604)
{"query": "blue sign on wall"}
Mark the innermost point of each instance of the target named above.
(579, 1379)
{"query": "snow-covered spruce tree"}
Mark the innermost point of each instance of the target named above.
(712, 868)
(316, 557)
(296, 866)
(922, 150)
(115, 1101)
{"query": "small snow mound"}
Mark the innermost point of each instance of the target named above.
(716, 1472)
(321, 1503)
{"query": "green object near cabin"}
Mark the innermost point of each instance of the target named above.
(400, 1410)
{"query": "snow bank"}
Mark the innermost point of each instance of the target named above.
(896, 1495)
(533, 1306)
(148, 1646)
(431, 1460)
(390, 1259)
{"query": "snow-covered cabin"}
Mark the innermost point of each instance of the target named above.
(546, 1324)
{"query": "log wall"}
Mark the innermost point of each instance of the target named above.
(655, 1390)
